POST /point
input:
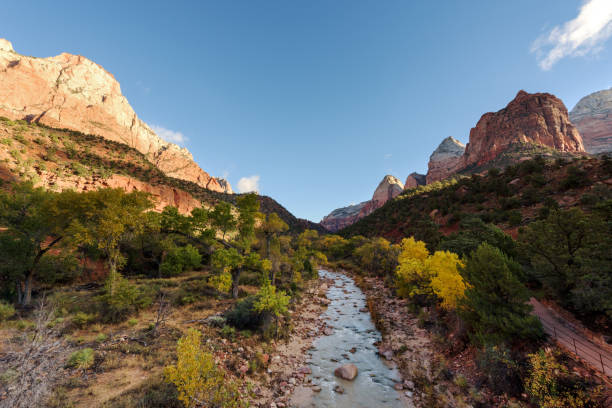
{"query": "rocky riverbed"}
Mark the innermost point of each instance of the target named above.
(349, 345)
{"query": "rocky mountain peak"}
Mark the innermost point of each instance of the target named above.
(592, 115)
(540, 119)
(388, 188)
(72, 92)
(445, 160)
(450, 147)
(5, 45)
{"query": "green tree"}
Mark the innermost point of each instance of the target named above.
(111, 217)
(271, 226)
(570, 253)
(377, 257)
(180, 259)
(34, 221)
(222, 219)
(495, 302)
(271, 302)
(474, 232)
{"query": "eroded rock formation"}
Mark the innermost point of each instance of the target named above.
(539, 119)
(445, 160)
(592, 115)
(414, 180)
(72, 92)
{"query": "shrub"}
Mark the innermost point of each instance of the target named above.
(101, 338)
(81, 359)
(575, 178)
(515, 218)
(198, 379)
(123, 301)
(6, 311)
(244, 316)
(180, 259)
(82, 319)
(502, 372)
(550, 385)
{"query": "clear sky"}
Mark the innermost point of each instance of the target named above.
(321, 99)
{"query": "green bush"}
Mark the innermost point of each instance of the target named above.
(181, 259)
(123, 301)
(82, 319)
(243, 315)
(6, 311)
(575, 178)
(82, 359)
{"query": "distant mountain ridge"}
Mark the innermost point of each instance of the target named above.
(530, 122)
(340, 218)
(72, 92)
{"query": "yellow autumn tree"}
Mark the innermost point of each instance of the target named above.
(412, 277)
(422, 276)
(446, 281)
(197, 378)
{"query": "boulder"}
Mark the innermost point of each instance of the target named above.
(346, 372)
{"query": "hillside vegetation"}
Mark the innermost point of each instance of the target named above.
(62, 158)
(511, 198)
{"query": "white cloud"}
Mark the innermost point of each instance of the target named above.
(578, 37)
(169, 135)
(248, 184)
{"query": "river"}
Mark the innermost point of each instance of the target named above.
(352, 341)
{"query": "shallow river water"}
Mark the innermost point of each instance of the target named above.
(353, 329)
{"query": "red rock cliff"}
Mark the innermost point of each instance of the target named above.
(539, 118)
(70, 91)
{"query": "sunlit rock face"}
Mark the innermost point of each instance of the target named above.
(539, 118)
(592, 116)
(445, 160)
(72, 92)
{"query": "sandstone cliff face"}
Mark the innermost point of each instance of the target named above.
(445, 160)
(70, 91)
(592, 115)
(414, 180)
(387, 189)
(539, 118)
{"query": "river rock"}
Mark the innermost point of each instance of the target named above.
(346, 372)
(339, 389)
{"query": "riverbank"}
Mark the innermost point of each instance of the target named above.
(287, 366)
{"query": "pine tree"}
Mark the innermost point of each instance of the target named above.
(495, 303)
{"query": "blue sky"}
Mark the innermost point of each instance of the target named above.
(321, 99)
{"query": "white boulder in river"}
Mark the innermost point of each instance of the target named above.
(346, 372)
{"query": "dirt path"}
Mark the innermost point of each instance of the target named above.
(565, 333)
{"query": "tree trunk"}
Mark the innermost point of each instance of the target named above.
(235, 278)
(27, 295)
(112, 274)
(19, 292)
